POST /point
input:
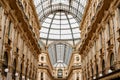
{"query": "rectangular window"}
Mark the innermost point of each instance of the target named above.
(119, 32)
(9, 29)
(109, 30)
(101, 40)
(0, 8)
(95, 46)
(41, 75)
(119, 19)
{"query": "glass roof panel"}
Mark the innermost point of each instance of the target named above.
(43, 35)
(65, 26)
(54, 26)
(50, 16)
(76, 30)
(76, 35)
(57, 28)
(72, 20)
(57, 22)
(45, 30)
(64, 22)
(51, 36)
(56, 32)
(68, 31)
(48, 20)
(75, 7)
(46, 24)
(66, 36)
(60, 54)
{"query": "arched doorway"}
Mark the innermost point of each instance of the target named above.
(60, 73)
(112, 67)
(14, 69)
(5, 65)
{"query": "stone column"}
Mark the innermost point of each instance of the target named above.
(3, 18)
(38, 75)
(75, 75)
(17, 77)
(117, 36)
(9, 75)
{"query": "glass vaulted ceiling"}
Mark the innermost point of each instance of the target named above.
(60, 21)
(60, 54)
(60, 26)
(45, 7)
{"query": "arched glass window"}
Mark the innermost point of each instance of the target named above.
(103, 67)
(88, 74)
(96, 70)
(26, 72)
(30, 73)
(60, 73)
(112, 61)
(21, 72)
(92, 72)
(14, 69)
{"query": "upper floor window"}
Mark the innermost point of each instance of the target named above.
(92, 71)
(103, 67)
(77, 76)
(109, 29)
(42, 58)
(14, 69)
(119, 14)
(5, 65)
(41, 75)
(77, 58)
(101, 40)
(112, 61)
(96, 70)
(9, 28)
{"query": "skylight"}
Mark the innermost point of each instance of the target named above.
(60, 26)
(60, 1)
(60, 54)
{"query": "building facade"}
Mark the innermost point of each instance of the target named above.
(75, 67)
(100, 41)
(18, 40)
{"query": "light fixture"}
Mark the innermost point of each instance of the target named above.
(16, 74)
(94, 77)
(23, 77)
(100, 74)
(109, 71)
(6, 70)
